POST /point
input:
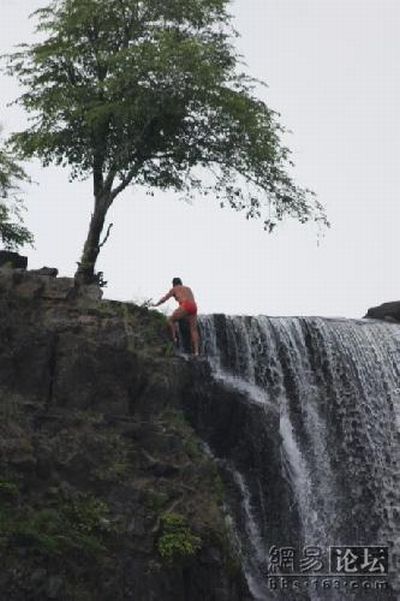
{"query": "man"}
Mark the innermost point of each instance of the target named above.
(187, 310)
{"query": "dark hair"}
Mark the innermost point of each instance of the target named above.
(177, 282)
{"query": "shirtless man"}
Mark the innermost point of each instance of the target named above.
(187, 310)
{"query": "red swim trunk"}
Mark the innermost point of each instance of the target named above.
(189, 306)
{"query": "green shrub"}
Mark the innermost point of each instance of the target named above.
(86, 514)
(177, 541)
(8, 489)
(79, 523)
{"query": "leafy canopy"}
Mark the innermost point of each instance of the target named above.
(150, 92)
(12, 233)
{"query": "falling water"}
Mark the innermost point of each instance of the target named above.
(325, 395)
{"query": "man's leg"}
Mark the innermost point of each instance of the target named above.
(194, 334)
(178, 314)
(173, 328)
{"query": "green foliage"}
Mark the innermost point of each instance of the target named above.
(146, 331)
(156, 500)
(177, 541)
(175, 420)
(8, 490)
(12, 233)
(115, 460)
(87, 514)
(79, 524)
(150, 92)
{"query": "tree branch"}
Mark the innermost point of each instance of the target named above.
(125, 181)
(108, 183)
(106, 236)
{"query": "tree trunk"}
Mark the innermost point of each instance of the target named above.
(85, 272)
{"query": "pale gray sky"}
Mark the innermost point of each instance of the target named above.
(332, 71)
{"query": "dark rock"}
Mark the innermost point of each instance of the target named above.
(164, 471)
(54, 586)
(89, 292)
(58, 288)
(13, 260)
(26, 285)
(137, 526)
(38, 575)
(387, 311)
(89, 397)
(49, 271)
(24, 462)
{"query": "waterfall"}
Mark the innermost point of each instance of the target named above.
(304, 413)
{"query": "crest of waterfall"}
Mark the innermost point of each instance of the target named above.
(314, 454)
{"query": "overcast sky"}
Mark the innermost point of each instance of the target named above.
(332, 71)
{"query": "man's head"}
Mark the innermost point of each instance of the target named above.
(177, 282)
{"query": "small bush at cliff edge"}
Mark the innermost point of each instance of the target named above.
(177, 541)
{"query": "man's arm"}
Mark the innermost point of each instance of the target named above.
(162, 300)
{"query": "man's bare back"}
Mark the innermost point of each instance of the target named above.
(182, 293)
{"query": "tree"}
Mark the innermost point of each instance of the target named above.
(12, 233)
(149, 92)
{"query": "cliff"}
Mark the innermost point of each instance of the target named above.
(105, 491)
(386, 311)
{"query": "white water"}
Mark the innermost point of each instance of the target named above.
(333, 382)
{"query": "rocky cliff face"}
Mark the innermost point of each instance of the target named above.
(386, 311)
(105, 491)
